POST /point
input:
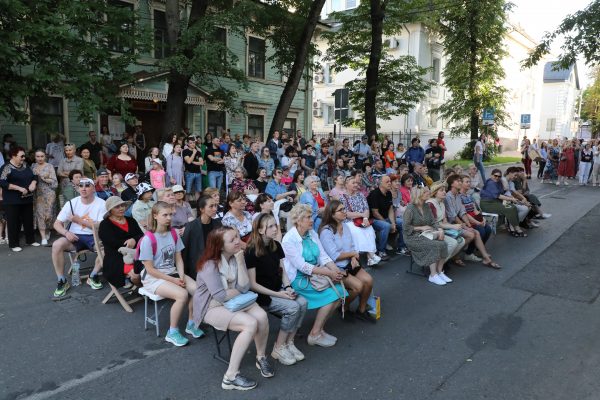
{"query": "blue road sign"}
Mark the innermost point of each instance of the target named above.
(488, 116)
(525, 121)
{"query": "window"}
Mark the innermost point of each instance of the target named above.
(215, 122)
(350, 4)
(433, 117)
(161, 42)
(435, 70)
(256, 57)
(46, 119)
(329, 118)
(289, 125)
(550, 124)
(256, 125)
(221, 38)
(121, 44)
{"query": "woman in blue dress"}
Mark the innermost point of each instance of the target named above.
(305, 257)
(551, 169)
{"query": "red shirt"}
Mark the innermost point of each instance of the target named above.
(121, 166)
(319, 199)
(442, 144)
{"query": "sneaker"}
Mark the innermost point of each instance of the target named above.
(16, 249)
(566, 183)
(176, 338)
(372, 261)
(284, 355)
(61, 289)
(444, 277)
(238, 383)
(437, 280)
(34, 244)
(557, 183)
(472, 257)
(403, 251)
(127, 284)
(546, 216)
(94, 282)
(365, 316)
(196, 333)
(376, 258)
(320, 340)
(389, 247)
(45, 242)
(265, 368)
(330, 337)
(298, 355)
(383, 256)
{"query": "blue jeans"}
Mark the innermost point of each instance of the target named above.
(383, 227)
(478, 161)
(193, 182)
(215, 179)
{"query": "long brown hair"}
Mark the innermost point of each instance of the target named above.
(160, 205)
(328, 216)
(256, 239)
(214, 246)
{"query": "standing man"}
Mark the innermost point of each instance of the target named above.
(94, 147)
(251, 161)
(273, 144)
(215, 163)
(478, 156)
(192, 165)
(301, 139)
(139, 141)
(363, 151)
(415, 154)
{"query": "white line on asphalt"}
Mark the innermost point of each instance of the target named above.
(93, 376)
(551, 193)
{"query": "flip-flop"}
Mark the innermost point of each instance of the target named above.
(460, 263)
(492, 264)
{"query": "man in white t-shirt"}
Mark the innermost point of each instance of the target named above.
(81, 212)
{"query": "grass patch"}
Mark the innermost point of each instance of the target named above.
(493, 161)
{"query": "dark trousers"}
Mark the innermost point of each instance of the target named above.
(541, 168)
(18, 215)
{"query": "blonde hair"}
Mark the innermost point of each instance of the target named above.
(436, 186)
(299, 211)
(209, 191)
(416, 193)
(156, 208)
(160, 194)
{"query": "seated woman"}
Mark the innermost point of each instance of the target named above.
(264, 260)
(438, 209)
(142, 209)
(298, 183)
(196, 232)
(264, 205)
(424, 237)
(339, 188)
(262, 180)
(304, 257)
(493, 200)
(522, 186)
(163, 272)
(337, 242)
(315, 198)
(222, 275)
(243, 185)
(357, 212)
(183, 211)
(397, 200)
(524, 207)
(237, 217)
(115, 231)
(216, 195)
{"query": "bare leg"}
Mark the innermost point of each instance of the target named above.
(58, 258)
(171, 291)
(246, 325)
(367, 287)
(354, 286)
(440, 266)
(190, 285)
(322, 316)
(262, 329)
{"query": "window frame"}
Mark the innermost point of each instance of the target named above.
(251, 70)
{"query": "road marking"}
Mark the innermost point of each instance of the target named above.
(551, 193)
(73, 383)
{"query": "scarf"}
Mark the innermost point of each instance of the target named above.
(233, 271)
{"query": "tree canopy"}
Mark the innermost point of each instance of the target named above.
(590, 107)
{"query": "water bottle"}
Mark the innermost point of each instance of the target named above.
(75, 278)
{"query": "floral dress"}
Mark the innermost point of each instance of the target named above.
(551, 168)
(244, 227)
(241, 185)
(45, 195)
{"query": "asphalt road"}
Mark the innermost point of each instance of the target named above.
(528, 331)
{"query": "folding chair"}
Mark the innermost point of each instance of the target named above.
(219, 338)
(153, 320)
(491, 219)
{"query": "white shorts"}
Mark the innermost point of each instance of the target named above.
(151, 283)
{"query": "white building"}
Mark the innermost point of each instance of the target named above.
(561, 90)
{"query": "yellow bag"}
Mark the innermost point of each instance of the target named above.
(375, 303)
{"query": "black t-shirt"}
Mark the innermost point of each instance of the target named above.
(380, 202)
(434, 162)
(193, 168)
(268, 273)
(218, 153)
(343, 152)
(95, 149)
(261, 186)
(309, 160)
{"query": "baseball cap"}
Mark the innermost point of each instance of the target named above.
(130, 176)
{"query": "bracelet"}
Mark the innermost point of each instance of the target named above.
(288, 286)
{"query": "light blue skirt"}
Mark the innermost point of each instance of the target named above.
(315, 298)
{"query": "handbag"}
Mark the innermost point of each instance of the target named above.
(241, 301)
(322, 282)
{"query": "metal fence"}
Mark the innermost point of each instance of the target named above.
(396, 137)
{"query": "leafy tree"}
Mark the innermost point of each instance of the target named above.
(590, 108)
(581, 32)
(386, 86)
(473, 34)
(66, 47)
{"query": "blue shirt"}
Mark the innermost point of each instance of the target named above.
(415, 154)
(491, 190)
(336, 244)
(274, 189)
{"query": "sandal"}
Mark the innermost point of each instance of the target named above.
(460, 263)
(491, 264)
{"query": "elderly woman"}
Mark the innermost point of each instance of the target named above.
(18, 183)
(122, 162)
(306, 257)
(338, 244)
(67, 164)
(45, 195)
(183, 211)
(315, 198)
(424, 237)
(494, 200)
(357, 213)
(237, 217)
(104, 190)
(239, 183)
(116, 231)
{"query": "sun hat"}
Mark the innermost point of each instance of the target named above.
(437, 186)
(112, 202)
(177, 188)
(157, 160)
(130, 176)
(143, 188)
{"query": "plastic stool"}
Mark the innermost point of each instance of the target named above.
(153, 319)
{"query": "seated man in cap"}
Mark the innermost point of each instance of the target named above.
(79, 215)
(131, 181)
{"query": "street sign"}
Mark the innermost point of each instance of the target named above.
(525, 121)
(488, 116)
(341, 104)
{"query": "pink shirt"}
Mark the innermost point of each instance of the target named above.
(157, 178)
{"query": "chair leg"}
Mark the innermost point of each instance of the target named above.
(145, 313)
(218, 341)
(156, 318)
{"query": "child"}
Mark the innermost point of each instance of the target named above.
(160, 252)
(157, 175)
(117, 181)
(141, 209)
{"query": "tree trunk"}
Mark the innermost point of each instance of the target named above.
(372, 74)
(475, 112)
(291, 86)
(173, 118)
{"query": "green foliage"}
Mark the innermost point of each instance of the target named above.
(581, 32)
(590, 108)
(473, 34)
(66, 47)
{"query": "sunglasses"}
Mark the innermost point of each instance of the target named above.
(497, 176)
(82, 185)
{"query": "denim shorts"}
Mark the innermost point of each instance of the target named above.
(85, 242)
(193, 182)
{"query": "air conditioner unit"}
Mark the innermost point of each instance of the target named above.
(317, 104)
(317, 112)
(319, 78)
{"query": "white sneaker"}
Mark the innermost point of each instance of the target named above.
(389, 247)
(376, 258)
(444, 277)
(44, 242)
(283, 355)
(35, 244)
(437, 280)
(472, 257)
(557, 183)
(546, 216)
(16, 249)
(372, 262)
(295, 352)
(566, 183)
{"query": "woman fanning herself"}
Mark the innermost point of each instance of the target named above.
(264, 259)
(338, 244)
(160, 252)
(222, 276)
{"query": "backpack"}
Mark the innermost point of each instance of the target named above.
(153, 242)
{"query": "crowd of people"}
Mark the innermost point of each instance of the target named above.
(234, 228)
